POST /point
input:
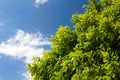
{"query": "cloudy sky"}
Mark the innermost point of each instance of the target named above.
(25, 29)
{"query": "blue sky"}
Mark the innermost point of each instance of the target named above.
(25, 26)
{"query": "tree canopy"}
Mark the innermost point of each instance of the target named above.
(89, 52)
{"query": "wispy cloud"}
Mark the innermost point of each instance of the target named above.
(38, 2)
(24, 45)
(0, 57)
(3, 20)
(2, 24)
(26, 76)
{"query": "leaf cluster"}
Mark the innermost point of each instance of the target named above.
(89, 52)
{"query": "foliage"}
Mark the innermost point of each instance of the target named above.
(90, 52)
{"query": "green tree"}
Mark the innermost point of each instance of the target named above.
(89, 52)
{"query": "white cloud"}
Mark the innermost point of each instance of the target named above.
(38, 2)
(24, 45)
(26, 76)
